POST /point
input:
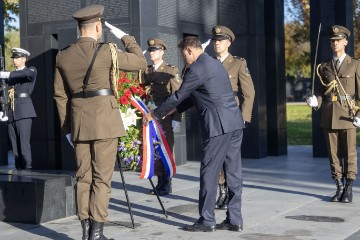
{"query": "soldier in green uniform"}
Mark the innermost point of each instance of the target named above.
(89, 113)
(241, 84)
(164, 79)
(339, 97)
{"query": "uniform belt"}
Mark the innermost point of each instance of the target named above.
(89, 94)
(21, 95)
(335, 98)
(160, 99)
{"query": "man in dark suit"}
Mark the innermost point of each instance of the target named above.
(206, 86)
(340, 78)
(89, 113)
(21, 109)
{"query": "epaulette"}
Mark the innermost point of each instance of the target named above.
(240, 58)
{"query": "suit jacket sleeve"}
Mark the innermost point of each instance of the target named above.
(62, 98)
(247, 90)
(189, 85)
(133, 58)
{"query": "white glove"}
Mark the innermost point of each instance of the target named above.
(4, 74)
(356, 122)
(205, 44)
(68, 137)
(144, 52)
(116, 31)
(312, 101)
(3, 119)
(175, 125)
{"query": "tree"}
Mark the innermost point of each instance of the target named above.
(12, 35)
(297, 38)
(11, 9)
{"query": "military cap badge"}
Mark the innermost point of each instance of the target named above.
(335, 30)
(217, 30)
(151, 42)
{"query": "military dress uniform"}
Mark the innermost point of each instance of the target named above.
(243, 88)
(340, 133)
(21, 111)
(92, 116)
(163, 82)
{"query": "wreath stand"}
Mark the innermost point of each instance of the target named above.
(127, 197)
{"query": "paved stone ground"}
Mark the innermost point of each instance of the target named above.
(284, 198)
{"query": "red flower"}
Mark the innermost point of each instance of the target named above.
(124, 100)
(127, 93)
(119, 87)
(134, 89)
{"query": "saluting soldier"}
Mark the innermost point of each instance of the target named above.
(164, 79)
(89, 111)
(339, 97)
(21, 109)
(242, 86)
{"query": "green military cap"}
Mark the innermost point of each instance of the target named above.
(19, 52)
(155, 44)
(222, 33)
(338, 32)
(89, 14)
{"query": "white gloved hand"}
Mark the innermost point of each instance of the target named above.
(68, 137)
(144, 52)
(175, 126)
(356, 122)
(116, 31)
(312, 101)
(4, 74)
(2, 117)
(205, 44)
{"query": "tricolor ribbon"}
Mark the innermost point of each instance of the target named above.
(153, 132)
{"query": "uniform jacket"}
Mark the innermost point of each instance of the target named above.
(241, 83)
(206, 85)
(23, 82)
(335, 116)
(95, 117)
(164, 81)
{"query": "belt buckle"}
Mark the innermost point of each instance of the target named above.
(334, 98)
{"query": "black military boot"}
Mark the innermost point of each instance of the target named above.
(166, 187)
(159, 184)
(96, 232)
(85, 224)
(339, 190)
(347, 193)
(222, 196)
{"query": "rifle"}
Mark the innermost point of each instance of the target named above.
(4, 94)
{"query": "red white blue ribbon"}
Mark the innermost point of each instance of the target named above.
(153, 132)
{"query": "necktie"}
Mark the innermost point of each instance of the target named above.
(337, 64)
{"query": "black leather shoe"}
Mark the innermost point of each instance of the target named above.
(199, 227)
(225, 225)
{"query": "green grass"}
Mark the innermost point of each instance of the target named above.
(299, 129)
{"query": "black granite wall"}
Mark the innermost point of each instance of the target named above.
(258, 26)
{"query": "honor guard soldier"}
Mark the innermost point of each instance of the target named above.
(21, 109)
(339, 97)
(89, 112)
(241, 84)
(164, 79)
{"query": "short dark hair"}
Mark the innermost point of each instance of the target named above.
(189, 41)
